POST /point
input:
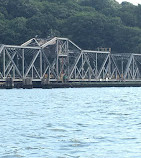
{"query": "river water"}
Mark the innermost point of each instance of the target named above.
(70, 123)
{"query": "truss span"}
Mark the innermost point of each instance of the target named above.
(59, 60)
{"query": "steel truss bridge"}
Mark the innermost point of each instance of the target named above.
(58, 57)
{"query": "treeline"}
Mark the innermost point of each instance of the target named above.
(89, 23)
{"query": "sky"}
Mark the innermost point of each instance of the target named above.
(135, 2)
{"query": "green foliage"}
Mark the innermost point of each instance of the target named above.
(89, 23)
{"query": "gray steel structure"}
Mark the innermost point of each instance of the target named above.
(57, 58)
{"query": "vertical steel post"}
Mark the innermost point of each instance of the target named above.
(4, 62)
(82, 66)
(115, 76)
(122, 67)
(96, 66)
(41, 63)
(68, 58)
(32, 73)
(49, 73)
(89, 74)
(13, 72)
(133, 76)
(75, 73)
(23, 62)
(57, 51)
(109, 66)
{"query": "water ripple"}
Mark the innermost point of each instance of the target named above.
(70, 123)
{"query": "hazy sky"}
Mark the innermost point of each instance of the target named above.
(136, 2)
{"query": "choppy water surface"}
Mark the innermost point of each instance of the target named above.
(70, 123)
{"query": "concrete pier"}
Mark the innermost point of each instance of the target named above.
(27, 83)
(9, 84)
(44, 81)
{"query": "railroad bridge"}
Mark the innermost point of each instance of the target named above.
(57, 59)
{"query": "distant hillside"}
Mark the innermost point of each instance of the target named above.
(89, 23)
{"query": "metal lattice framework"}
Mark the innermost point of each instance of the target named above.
(57, 58)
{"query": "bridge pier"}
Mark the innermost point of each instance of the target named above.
(45, 82)
(27, 83)
(9, 84)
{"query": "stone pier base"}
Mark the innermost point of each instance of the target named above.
(27, 83)
(9, 84)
